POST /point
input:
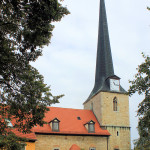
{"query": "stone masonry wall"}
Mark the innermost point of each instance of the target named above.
(103, 109)
(113, 120)
(121, 140)
(64, 142)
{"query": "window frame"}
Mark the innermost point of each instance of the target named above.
(9, 124)
(115, 104)
(91, 123)
(117, 134)
(55, 123)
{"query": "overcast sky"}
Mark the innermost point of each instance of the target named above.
(68, 63)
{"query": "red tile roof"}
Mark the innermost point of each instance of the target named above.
(29, 136)
(75, 147)
(69, 122)
(72, 122)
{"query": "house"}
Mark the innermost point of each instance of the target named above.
(67, 127)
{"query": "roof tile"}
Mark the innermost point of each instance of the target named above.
(69, 123)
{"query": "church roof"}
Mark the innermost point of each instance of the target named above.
(71, 122)
(29, 136)
(104, 62)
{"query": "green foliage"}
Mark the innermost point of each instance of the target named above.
(25, 28)
(141, 84)
(12, 142)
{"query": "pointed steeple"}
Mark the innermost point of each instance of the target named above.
(104, 63)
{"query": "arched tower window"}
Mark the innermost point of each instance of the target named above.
(115, 104)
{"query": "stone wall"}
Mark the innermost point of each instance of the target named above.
(64, 142)
(116, 122)
(103, 109)
(120, 140)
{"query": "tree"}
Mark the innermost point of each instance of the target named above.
(12, 142)
(25, 28)
(141, 84)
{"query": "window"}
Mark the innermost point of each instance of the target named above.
(91, 106)
(92, 148)
(55, 125)
(78, 118)
(9, 124)
(91, 126)
(117, 133)
(115, 104)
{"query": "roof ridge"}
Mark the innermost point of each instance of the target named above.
(69, 108)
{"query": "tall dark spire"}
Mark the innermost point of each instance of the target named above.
(104, 63)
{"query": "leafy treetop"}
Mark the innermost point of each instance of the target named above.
(25, 27)
(141, 84)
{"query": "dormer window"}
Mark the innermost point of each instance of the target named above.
(90, 126)
(55, 125)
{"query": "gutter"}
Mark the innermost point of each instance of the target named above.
(107, 142)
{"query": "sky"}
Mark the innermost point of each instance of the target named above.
(68, 63)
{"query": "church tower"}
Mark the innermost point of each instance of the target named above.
(108, 100)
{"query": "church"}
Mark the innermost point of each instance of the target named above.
(103, 124)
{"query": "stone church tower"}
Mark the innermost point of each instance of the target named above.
(108, 100)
